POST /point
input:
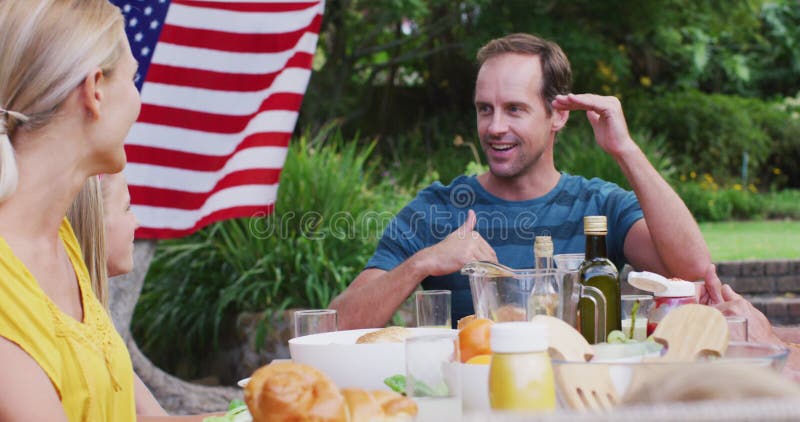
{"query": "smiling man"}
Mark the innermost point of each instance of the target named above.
(522, 100)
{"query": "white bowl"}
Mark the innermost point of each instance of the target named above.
(352, 365)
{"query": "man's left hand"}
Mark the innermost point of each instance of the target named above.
(606, 117)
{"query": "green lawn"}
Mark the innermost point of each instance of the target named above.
(752, 240)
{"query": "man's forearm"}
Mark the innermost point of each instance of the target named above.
(674, 232)
(374, 296)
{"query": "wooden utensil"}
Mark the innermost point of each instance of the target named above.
(692, 331)
(586, 387)
(581, 387)
(565, 342)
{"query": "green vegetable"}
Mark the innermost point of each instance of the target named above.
(397, 383)
(634, 310)
(237, 412)
(617, 336)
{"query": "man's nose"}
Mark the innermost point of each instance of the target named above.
(499, 124)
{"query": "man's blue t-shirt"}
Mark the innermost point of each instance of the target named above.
(508, 226)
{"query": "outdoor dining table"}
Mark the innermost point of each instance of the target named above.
(771, 409)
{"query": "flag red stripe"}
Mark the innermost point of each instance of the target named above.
(213, 122)
(236, 42)
(181, 76)
(201, 162)
(183, 200)
(248, 7)
(224, 214)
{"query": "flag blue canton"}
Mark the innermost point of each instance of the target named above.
(143, 22)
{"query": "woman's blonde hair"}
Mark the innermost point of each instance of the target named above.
(47, 48)
(86, 217)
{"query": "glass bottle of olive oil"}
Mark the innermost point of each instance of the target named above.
(598, 271)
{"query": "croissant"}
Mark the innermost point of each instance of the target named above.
(378, 406)
(288, 391)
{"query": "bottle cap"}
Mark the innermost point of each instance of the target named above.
(518, 337)
(595, 224)
(543, 246)
(660, 285)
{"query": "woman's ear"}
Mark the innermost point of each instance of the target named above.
(92, 93)
(559, 119)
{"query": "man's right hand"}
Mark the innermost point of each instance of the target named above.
(460, 247)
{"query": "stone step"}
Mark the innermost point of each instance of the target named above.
(780, 309)
(770, 277)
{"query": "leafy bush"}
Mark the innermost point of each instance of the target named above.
(708, 132)
(783, 204)
(324, 228)
(781, 121)
(709, 202)
(577, 152)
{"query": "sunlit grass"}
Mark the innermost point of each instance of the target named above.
(740, 240)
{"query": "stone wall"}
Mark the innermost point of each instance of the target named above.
(773, 286)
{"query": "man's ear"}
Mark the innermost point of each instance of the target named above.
(91, 92)
(559, 119)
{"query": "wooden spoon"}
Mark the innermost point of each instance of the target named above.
(692, 331)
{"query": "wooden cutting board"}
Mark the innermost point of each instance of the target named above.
(692, 331)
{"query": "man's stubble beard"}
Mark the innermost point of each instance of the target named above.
(523, 168)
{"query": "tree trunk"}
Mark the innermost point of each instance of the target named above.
(175, 395)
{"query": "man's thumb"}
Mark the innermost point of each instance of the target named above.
(469, 223)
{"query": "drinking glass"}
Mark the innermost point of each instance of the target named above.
(433, 308)
(433, 376)
(641, 304)
(314, 321)
(737, 328)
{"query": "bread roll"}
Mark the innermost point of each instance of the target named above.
(288, 391)
(378, 406)
(385, 335)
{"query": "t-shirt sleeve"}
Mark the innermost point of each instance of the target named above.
(622, 209)
(403, 237)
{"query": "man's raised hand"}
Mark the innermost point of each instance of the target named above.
(460, 247)
(606, 117)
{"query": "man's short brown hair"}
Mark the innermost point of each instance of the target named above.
(556, 71)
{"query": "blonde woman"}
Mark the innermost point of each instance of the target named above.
(68, 100)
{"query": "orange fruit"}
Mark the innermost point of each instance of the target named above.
(473, 339)
(479, 360)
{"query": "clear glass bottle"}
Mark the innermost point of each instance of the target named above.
(521, 375)
(544, 299)
(543, 252)
(599, 272)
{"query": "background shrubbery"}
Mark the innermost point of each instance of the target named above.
(700, 84)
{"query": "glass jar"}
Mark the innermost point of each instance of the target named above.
(521, 375)
(678, 292)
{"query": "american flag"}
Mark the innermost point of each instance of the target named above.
(221, 85)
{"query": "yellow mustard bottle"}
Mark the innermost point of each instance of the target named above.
(520, 375)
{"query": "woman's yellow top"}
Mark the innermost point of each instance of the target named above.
(87, 361)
